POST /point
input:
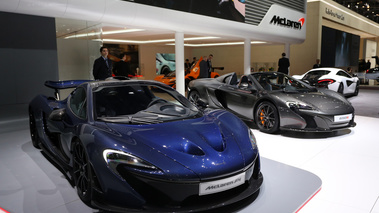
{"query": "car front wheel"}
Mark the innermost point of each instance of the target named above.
(267, 117)
(340, 88)
(82, 173)
(356, 89)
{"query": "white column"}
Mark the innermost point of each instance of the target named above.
(287, 49)
(247, 57)
(179, 62)
(288, 54)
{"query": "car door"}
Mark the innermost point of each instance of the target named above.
(238, 100)
(64, 121)
(348, 82)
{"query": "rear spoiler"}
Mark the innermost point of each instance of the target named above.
(57, 85)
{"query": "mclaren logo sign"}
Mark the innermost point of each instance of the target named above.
(277, 20)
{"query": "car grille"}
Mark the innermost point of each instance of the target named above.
(181, 194)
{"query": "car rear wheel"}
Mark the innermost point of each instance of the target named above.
(33, 130)
(340, 88)
(356, 89)
(82, 173)
(267, 117)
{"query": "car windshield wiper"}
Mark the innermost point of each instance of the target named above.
(146, 119)
(142, 117)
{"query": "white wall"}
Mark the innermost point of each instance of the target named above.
(75, 60)
(371, 51)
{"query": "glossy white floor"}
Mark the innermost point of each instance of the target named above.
(346, 162)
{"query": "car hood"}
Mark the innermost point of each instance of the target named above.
(205, 146)
(327, 102)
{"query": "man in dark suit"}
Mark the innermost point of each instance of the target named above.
(210, 67)
(102, 67)
(283, 63)
(203, 68)
(317, 64)
(122, 68)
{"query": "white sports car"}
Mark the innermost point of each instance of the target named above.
(332, 78)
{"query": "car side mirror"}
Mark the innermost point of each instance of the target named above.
(57, 114)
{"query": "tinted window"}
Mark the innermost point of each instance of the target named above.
(344, 74)
(278, 81)
(314, 75)
(141, 103)
(78, 102)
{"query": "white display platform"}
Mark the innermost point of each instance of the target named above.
(284, 189)
(30, 183)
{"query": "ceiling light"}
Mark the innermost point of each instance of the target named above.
(103, 32)
(122, 31)
(152, 41)
(220, 44)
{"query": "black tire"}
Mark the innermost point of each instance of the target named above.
(356, 89)
(194, 96)
(340, 88)
(165, 70)
(82, 173)
(267, 117)
(33, 130)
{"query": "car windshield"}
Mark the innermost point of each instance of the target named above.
(141, 104)
(315, 75)
(278, 81)
(168, 56)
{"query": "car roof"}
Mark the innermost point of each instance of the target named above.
(331, 69)
(115, 82)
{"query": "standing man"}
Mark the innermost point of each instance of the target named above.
(203, 68)
(122, 68)
(368, 65)
(102, 68)
(210, 65)
(283, 63)
(317, 64)
(194, 60)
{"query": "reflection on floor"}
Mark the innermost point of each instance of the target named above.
(346, 162)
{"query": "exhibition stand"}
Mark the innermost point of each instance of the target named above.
(30, 183)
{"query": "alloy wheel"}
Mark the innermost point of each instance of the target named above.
(82, 172)
(267, 117)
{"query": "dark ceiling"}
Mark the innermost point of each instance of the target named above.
(369, 8)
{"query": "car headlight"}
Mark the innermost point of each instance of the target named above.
(253, 140)
(114, 158)
(299, 106)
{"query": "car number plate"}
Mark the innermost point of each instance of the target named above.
(343, 118)
(221, 185)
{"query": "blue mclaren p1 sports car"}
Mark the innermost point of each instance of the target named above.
(136, 145)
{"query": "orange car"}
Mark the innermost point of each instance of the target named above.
(170, 78)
